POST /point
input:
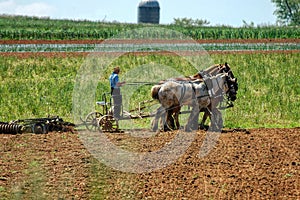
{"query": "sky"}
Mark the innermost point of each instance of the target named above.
(217, 12)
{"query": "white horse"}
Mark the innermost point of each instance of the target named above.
(173, 94)
(173, 113)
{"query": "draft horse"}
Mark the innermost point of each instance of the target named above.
(195, 95)
(172, 113)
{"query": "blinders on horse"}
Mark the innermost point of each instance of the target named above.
(232, 83)
(233, 87)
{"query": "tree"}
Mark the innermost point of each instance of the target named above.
(288, 11)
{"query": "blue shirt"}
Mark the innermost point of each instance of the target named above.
(114, 79)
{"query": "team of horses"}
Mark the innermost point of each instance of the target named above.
(203, 92)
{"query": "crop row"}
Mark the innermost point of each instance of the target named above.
(26, 28)
(146, 47)
(104, 33)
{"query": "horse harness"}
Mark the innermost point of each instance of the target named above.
(183, 91)
(212, 84)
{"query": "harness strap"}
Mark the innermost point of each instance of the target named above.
(183, 90)
(194, 89)
(219, 87)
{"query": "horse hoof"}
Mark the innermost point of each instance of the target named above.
(154, 129)
(203, 127)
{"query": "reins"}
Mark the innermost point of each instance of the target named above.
(142, 83)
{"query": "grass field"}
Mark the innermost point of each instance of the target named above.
(268, 95)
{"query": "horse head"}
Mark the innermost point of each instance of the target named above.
(227, 85)
(232, 88)
(216, 69)
(231, 81)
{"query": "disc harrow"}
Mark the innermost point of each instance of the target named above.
(38, 126)
(10, 128)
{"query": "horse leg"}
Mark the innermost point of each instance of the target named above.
(216, 117)
(169, 124)
(176, 117)
(195, 123)
(192, 123)
(219, 119)
(172, 122)
(159, 113)
(216, 120)
(204, 118)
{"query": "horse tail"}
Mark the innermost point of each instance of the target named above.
(154, 91)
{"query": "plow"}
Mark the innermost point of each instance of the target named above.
(37, 125)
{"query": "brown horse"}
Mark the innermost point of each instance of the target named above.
(174, 111)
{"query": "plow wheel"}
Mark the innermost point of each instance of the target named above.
(91, 121)
(107, 123)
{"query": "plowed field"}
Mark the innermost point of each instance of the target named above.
(256, 164)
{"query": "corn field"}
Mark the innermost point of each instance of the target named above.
(33, 28)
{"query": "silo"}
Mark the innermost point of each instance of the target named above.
(148, 12)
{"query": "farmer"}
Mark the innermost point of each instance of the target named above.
(115, 91)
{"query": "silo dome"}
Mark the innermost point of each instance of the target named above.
(148, 12)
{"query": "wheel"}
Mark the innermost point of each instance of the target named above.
(39, 128)
(91, 121)
(107, 123)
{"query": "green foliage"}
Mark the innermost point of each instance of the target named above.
(36, 87)
(32, 28)
(269, 94)
(288, 11)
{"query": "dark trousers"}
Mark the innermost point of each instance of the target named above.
(117, 101)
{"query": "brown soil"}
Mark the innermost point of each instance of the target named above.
(43, 54)
(253, 164)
